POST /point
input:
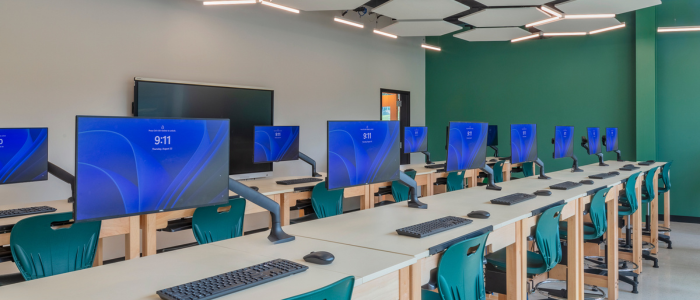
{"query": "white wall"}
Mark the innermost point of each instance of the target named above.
(63, 58)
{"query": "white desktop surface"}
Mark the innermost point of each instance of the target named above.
(593, 169)
(421, 169)
(268, 186)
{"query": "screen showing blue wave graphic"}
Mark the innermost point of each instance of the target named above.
(24, 154)
(611, 139)
(415, 139)
(492, 139)
(563, 141)
(362, 152)
(595, 141)
(523, 143)
(276, 143)
(466, 147)
(130, 166)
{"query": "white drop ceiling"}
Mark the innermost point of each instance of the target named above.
(420, 9)
(421, 28)
(312, 5)
(584, 7)
(578, 25)
(492, 34)
(501, 17)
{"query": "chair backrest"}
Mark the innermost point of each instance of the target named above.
(649, 183)
(41, 251)
(461, 270)
(498, 171)
(666, 175)
(339, 290)
(400, 191)
(209, 225)
(597, 212)
(528, 169)
(547, 236)
(455, 181)
(631, 192)
(326, 203)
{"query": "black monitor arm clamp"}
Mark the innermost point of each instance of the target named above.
(277, 235)
(427, 157)
(495, 149)
(412, 191)
(489, 173)
(310, 161)
(584, 144)
(64, 176)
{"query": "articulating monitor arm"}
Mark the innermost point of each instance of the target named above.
(277, 235)
(495, 154)
(64, 176)
(310, 161)
(412, 191)
(427, 157)
(584, 142)
(489, 173)
(619, 155)
(541, 164)
(575, 167)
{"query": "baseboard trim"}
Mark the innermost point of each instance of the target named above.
(682, 219)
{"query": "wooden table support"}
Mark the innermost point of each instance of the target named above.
(612, 245)
(516, 262)
(575, 242)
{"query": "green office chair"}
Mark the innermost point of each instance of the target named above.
(455, 181)
(460, 274)
(398, 190)
(41, 251)
(339, 290)
(497, 172)
(325, 203)
(647, 190)
(209, 225)
(664, 188)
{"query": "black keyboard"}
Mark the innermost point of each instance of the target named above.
(513, 199)
(604, 175)
(231, 282)
(432, 227)
(436, 166)
(567, 185)
(26, 211)
(298, 181)
(647, 163)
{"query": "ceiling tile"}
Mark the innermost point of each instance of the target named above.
(578, 25)
(420, 9)
(421, 28)
(492, 34)
(501, 17)
(513, 2)
(311, 5)
(584, 7)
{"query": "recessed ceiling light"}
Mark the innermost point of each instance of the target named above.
(229, 2)
(600, 16)
(563, 33)
(607, 29)
(346, 22)
(525, 38)
(289, 9)
(431, 47)
(679, 29)
(385, 34)
(546, 21)
(550, 11)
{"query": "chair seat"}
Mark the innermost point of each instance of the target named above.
(535, 264)
(623, 210)
(589, 232)
(306, 218)
(663, 190)
(429, 295)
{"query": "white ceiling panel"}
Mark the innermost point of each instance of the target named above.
(420, 9)
(584, 7)
(312, 5)
(579, 25)
(421, 28)
(501, 17)
(492, 34)
(512, 2)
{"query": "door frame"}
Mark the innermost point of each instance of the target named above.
(404, 117)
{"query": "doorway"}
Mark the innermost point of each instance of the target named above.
(395, 105)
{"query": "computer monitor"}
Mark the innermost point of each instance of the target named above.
(594, 141)
(276, 143)
(492, 139)
(523, 143)
(563, 141)
(132, 166)
(415, 139)
(611, 139)
(466, 146)
(24, 154)
(362, 152)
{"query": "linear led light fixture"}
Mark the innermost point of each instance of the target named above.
(229, 2)
(289, 9)
(385, 34)
(550, 11)
(431, 47)
(564, 33)
(536, 35)
(607, 29)
(545, 21)
(679, 29)
(599, 16)
(346, 22)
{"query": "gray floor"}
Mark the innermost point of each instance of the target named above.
(678, 275)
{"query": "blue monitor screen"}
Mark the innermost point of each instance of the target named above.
(492, 140)
(595, 141)
(466, 147)
(130, 166)
(611, 139)
(415, 139)
(563, 141)
(24, 155)
(362, 152)
(276, 143)
(523, 143)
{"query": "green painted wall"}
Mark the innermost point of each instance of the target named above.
(645, 54)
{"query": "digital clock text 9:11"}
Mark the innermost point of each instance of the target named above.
(162, 140)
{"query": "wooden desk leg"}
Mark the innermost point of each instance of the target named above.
(132, 245)
(667, 211)
(613, 254)
(506, 171)
(148, 234)
(409, 282)
(99, 256)
(574, 240)
(285, 213)
(516, 262)
(654, 214)
(431, 185)
(367, 201)
(637, 233)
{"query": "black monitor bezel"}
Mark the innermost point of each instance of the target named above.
(47, 154)
(618, 139)
(75, 202)
(510, 130)
(447, 145)
(589, 142)
(274, 161)
(426, 139)
(487, 137)
(572, 141)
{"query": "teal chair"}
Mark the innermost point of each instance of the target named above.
(398, 190)
(526, 169)
(325, 203)
(631, 207)
(455, 181)
(460, 274)
(41, 251)
(497, 172)
(339, 290)
(209, 225)
(664, 189)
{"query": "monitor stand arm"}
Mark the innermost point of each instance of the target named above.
(427, 157)
(619, 155)
(310, 161)
(66, 177)
(277, 235)
(412, 191)
(601, 160)
(575, 167)
(489, 173)
(495, 149)
(541, 164)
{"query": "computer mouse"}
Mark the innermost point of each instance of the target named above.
(586, 181)
(255, 188)
(319, 258)
(479, 214)
(628, 166)
(543, 193)
(493, 160)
